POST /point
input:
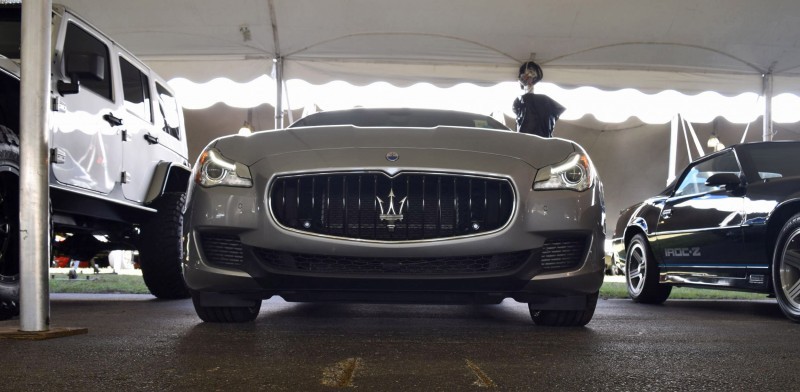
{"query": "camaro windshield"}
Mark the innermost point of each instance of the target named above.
(775, 160)
(415, 118)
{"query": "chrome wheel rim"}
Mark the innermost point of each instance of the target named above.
(789, 270)
(636, 268)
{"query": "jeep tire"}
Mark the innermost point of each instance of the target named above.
(161, 248)
(9, 223)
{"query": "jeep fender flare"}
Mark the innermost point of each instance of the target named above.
(168, 177)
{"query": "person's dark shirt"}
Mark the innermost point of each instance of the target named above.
(537, 114)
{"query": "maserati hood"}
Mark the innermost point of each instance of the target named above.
(349, 140)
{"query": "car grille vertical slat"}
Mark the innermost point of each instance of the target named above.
(406, 207)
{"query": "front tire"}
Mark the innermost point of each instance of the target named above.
(786, 269)
(9, 224)
(565, 318)
(226, 314)
(641, 273)
(161, 248)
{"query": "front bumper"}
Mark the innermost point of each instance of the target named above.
(238, 215)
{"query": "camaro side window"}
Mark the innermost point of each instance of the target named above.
(695, 180)
(79, 42)
(136, 89)
(168, 108)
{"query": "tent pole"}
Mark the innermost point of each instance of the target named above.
(767, 83)
(673, 149)
(34, 257)
(279, 91)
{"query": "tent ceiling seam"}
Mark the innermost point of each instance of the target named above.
(728, 55)
(510, 57)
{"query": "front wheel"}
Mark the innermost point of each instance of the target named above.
(9, 223)
(565, 318)
(786, 269)
(226, 314)
(641, 273)
(161, 249)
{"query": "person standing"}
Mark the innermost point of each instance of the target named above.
(536, 113)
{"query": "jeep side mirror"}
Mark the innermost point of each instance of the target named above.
(80, 66)
(729, 180)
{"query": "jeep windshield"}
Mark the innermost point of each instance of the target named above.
(10, 30)
(413, 118)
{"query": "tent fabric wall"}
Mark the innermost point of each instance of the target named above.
(691, 45)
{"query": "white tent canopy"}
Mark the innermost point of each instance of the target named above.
(652, 45)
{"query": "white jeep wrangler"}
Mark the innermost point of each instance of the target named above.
(118, 162)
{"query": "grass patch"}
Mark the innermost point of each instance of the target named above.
(618, 290)
(98, 284)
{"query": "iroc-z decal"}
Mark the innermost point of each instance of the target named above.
(682, 252)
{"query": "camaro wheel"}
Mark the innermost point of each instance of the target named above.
(786, 269)
(161, 249)
(641, 275)
(565, 318)
(9, 223)
(226, 314)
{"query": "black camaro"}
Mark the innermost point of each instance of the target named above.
(731, 220)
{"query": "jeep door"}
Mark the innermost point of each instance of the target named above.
(85, 126)
(699, 233)
(139, 158)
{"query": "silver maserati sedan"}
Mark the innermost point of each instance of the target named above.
(395, 206)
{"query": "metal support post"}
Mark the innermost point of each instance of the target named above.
(34, 217)
(673, 148)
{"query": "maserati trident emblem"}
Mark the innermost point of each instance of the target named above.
(392, 156)
(389, 215)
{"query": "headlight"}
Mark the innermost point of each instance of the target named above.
(214, 170)
(574, 173)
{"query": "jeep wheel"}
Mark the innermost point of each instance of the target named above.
(9, 223)
(565, 318)
(641, 274)
(786, 269)
(161, 248)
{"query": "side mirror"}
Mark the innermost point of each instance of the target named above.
(730, 181)
(81, 66)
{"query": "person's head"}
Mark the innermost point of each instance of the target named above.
(529, 74)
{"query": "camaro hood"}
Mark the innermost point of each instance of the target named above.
(533, 150)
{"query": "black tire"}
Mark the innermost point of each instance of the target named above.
(786, 269)
(565, 318)
(641, 275)
(226, 314)
(161, 249)
(9, 223)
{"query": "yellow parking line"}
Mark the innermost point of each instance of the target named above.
(483, 380)
(341, 374)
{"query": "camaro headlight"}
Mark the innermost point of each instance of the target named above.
(574, 173)
(215, 170)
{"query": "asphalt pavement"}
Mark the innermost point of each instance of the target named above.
(135, 342)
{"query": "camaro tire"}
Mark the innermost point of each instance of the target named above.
(786, 269)
(641, 273)
(565, 318)
(161, 249)
(9, 224)
(226, 314)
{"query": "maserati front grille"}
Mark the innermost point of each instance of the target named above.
(406, 207)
